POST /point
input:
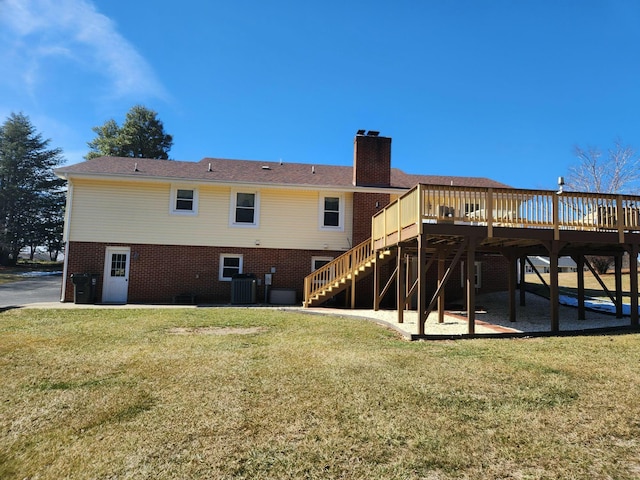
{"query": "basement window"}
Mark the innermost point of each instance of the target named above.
(317, 262)
(230, 264)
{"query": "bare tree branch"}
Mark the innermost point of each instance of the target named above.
(619, 172)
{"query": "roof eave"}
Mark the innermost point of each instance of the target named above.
(69, 176)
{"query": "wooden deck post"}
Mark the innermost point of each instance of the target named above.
(618, 276)
(633, 283)
(400, 286)
(513, 278)
(471, 285)
(422, 288)
(523, 283)
(579, 259)
(442, 257)
(554, 296)
(376, 283)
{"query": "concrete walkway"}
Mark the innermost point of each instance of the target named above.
(491, 318)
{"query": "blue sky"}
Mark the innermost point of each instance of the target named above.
(502, 89)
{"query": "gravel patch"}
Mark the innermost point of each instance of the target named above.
(491, 318)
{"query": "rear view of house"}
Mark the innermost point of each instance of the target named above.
(163, 231)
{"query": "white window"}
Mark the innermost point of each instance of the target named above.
(245, 209)
(327, 276)
(470, 208)
(184, 200)
(230, 264)
(317, 262)
(332, 212)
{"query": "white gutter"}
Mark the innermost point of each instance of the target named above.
(65, 238)
(190, 181)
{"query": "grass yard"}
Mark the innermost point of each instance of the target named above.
(568, 284)
(217, 393)
(14, 274)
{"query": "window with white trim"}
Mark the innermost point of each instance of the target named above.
(184, 201)
(470, 208)
(245, 209)
(317, 262)
(230, 264)
(332, 212)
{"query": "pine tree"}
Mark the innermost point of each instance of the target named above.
(29, 190)
(142, 135)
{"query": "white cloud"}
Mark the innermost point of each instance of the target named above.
(35, 30)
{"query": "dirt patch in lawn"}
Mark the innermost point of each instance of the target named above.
(215, 330)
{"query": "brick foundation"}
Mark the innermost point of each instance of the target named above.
(157, 273)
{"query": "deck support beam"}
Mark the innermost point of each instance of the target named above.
(618, 276)
(422, 287)
(442, 257)
(523, 284)
(376, 283)
(400, 284)
(512, 279)
(471, 285)
(579, 259)
(554, 292)
(633, 283)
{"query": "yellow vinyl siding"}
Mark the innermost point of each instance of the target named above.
(291, 219)
(129, 212)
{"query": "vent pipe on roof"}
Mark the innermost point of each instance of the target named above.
(135, 167)
(209, 169)
(313, 169)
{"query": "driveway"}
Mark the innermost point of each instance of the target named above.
(38, 289)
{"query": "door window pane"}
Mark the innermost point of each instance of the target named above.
(118, 264)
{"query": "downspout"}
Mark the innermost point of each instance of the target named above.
(65, 238)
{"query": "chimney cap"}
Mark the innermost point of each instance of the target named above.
(373, 133)
(360, 132)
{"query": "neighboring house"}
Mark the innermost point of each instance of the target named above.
(541, 264)
(161, 230)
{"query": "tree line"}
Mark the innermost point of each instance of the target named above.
(32, 198)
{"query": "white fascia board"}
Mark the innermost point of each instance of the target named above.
(187, 181)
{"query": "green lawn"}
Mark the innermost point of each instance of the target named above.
(568, 285)
(216, 393)
(14, 274)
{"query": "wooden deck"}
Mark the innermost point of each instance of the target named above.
(453, 223)
(554, 212)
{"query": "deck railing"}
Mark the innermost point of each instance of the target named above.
(506, 207)
(338, 270)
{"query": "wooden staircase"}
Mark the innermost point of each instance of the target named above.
(341, 273)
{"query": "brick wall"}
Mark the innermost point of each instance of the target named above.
(372, 161)
(159, 272)
(364, 207)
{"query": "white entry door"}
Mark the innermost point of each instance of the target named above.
(115, 286)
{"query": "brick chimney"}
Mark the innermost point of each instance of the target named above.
(371, 160)
(371, 168)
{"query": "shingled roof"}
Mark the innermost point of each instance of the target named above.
(219, 170)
